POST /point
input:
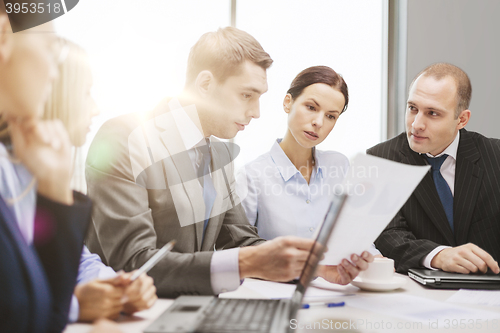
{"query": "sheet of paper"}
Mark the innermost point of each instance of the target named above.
(377, 189)
(476, 297)
(276, 290)
(418, 309)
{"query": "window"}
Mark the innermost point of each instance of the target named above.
(139, 50)
(348, 36)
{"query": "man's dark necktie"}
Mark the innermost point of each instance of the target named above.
(203, 173)
(442, 187)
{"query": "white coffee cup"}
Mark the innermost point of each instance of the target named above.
(380, 270)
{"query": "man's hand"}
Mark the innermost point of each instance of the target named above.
(281, 259)
(139, 294)
(45, 149)
(465, 259)
(346, 271)
(99, 299)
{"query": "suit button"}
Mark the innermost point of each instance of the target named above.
(308, 201)
(311, 229)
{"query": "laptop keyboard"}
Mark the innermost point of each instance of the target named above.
(239, 315)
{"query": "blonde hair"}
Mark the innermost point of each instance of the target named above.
(67, 100)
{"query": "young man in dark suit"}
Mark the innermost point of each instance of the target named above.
(452, 220)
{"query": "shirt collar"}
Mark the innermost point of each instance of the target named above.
(190, 134)
(320, 168)
(285, 166)
(451, 150)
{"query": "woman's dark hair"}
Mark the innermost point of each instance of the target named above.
(319, 74)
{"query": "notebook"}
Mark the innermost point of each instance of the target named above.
(209, 314)
(445, 280)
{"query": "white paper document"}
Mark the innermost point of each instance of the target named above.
(377, 190)
(418, 309)
(276, 290)
(476, 297)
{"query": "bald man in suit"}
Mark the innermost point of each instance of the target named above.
(452, 220)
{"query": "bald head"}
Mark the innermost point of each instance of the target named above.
(463, 88)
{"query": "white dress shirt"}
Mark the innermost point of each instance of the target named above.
(448, 172)
(224, 267)
(279, 201)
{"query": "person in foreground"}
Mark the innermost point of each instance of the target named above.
(38, 261)
(306, 177)
(100, 292)
(161, 175)
(452, 220)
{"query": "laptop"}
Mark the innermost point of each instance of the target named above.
(210, 314)
(445, 280)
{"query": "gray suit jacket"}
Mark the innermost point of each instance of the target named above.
(421, 225)
(146, 193)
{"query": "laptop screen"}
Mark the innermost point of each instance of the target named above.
(319, 247)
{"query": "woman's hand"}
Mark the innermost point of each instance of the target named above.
(346, 271)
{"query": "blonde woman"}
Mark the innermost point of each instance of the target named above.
(99, 292)
(71, 102)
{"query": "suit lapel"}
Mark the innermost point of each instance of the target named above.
(468, 177)
(187, 182)
(428, 197)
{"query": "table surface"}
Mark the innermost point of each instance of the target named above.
(366, 321)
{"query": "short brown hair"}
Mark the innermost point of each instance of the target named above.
(222, 52)
(319, 74)
(464, 89)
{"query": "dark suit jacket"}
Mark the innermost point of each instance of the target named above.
(36, 285)
(421, 225)
(145, 193)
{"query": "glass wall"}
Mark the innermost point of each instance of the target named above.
(348, 36)
(139, 49)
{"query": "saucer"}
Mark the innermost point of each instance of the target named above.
(395, 283)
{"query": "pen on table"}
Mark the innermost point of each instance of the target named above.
(153, 260)
(330, 305)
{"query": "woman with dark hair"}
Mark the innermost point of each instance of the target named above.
(287, 191)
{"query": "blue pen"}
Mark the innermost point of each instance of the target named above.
(330, 305)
